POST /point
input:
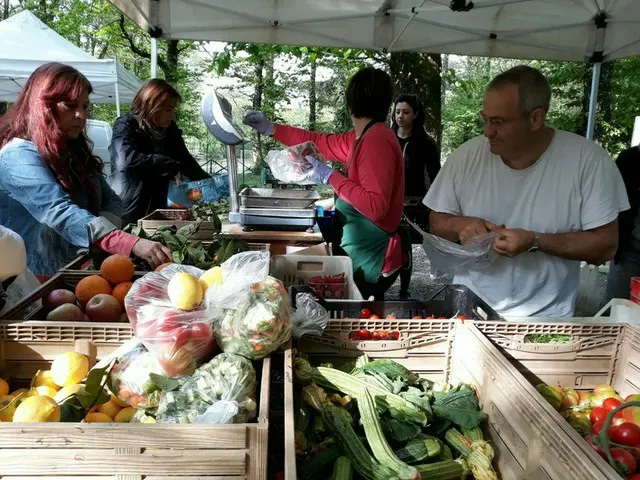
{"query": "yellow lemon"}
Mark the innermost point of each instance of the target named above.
(98, 418)
(124, 415)
(45, 391)
(4, 387)
(43, 379)
(69, 368)
(21, 391)
(185, 291)
(110, 409)
(211, 276)
(118, 402)
(37, 409)
(7, 409)
(67, 391)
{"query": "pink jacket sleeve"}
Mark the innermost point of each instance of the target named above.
(117, 242)
(336, 147)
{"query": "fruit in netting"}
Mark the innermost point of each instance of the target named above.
(120, 291)
(185, 291)
(37, 409)
(69, 368)
(103, 308)
(117, 268)
(67, 312)
(91, 286)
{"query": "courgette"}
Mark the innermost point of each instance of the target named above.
(447, 470)
(420, 449)
(317, 465)
(342, 469)
(339, 421)
(381, 449)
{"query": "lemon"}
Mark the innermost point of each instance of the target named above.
(118, 402)
(98, 418)
(37, 409)
(67, 391)
(210, 277)
(6, 414)
(43, 379)
(20, 391)
(45, 391)
(4, 387)
(124, 415)
(185, 291)
(69, 368)
(110, 409)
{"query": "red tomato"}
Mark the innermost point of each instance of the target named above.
(597, 448)
(636, 453)
(395, 335)
(597, 427)
(462, 317)
(598, 414)
(391, 317)
(374, 317)
(611, 403)
(623, 456)
(201, 331)
(626, 434)
(633, 476)
(365, 313)
(417, 317)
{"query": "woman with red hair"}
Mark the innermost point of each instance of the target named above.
(52, 189)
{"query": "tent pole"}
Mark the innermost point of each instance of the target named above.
(154, 57)
(117, 89)
(593, 100)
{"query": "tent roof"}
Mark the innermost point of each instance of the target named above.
(26, 43)
(534, 29)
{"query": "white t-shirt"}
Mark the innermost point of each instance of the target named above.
(574, 186)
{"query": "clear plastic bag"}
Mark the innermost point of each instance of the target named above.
(129, 378)
(179, 339)
(250, 309)
(310, 318)
(220, 391)
(291, 165)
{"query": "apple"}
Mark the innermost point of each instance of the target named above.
(58, 297)
(604, 389)
(103, 308)
(67, 312)
(124, 318)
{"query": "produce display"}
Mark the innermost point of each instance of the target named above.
(608, 422)
(97, 298)
(380, 420)
(329, 286)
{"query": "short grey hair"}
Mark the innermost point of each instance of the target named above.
(533, 88)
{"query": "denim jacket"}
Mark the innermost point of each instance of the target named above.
(55, 226)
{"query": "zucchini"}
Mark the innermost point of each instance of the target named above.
(447, 470)
(342, 469)
(339, 421)
(446, 453)
(381, 449)
(315, 466)
(420, 449)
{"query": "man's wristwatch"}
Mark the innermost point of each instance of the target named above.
(534, 246)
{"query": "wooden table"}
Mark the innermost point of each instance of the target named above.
(279, 240)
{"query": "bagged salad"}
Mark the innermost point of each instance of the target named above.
(250, 309)
(220, 391)
(180, 339)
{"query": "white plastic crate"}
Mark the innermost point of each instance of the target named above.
(297, 269)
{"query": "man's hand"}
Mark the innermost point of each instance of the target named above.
(476, 228)
(512, 242)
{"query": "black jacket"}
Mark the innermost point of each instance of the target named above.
(142, 167)
(628, 163)
(421, 158)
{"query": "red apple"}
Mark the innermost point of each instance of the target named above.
(58, 297)
(67, 312)
(103, 308)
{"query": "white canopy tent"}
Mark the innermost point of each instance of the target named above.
(26, 43)
(582, 30)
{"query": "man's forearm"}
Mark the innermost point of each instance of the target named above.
(448, 226)
(595, 247)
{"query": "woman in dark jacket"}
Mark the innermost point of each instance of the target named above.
(148, 151)
(421, 165)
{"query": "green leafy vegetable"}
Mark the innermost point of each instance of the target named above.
(547, 338)
(460, 406)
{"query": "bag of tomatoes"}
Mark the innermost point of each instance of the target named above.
(166, 310)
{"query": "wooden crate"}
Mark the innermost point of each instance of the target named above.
(179, 218)
(118, 451)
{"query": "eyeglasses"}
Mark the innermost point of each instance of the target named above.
(499, 122)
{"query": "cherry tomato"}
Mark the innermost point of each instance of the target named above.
(430, 317)
(395, 335)
(611, 403)
(381, 335)
(417, 317)
(598, 414)
(462, 317)
(597, 427)
(633, 476)
(626, 434)
(365, 313)
(624, 456)
(360, 335)
(597, 448)
(374, 317)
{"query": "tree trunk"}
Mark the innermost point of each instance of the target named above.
(171, 68)
(256, 104)
(419, 73)
(605, 110)
(586, 94)
(312, 96)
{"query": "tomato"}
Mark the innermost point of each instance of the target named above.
(626, 434)
(417, 317)
(374, 317)
(462, 317)
(624, 457)
(598, 414)
(365, 313)
(597, 448)
(636, 453)
(597, 427)
(391, 317)
(359, 335)
(395, 335)
(200, 331)
(611, 403)
(633, 476)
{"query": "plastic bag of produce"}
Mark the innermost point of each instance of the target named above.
(220, 391)
(310, 318)
(291, 165)
(167, 313)
(129, 378)
(250, 309)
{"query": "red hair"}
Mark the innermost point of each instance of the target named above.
(33, 118)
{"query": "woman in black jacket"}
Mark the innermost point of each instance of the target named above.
(421, 165)
(148, 151)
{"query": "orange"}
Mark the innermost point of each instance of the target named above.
(163, 266)
(91, 286)
(118, 268)
(120, 291)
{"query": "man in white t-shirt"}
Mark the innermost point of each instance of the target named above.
(551, 197)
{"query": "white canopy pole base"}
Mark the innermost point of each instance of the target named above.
(154, 57)
(593, 100)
